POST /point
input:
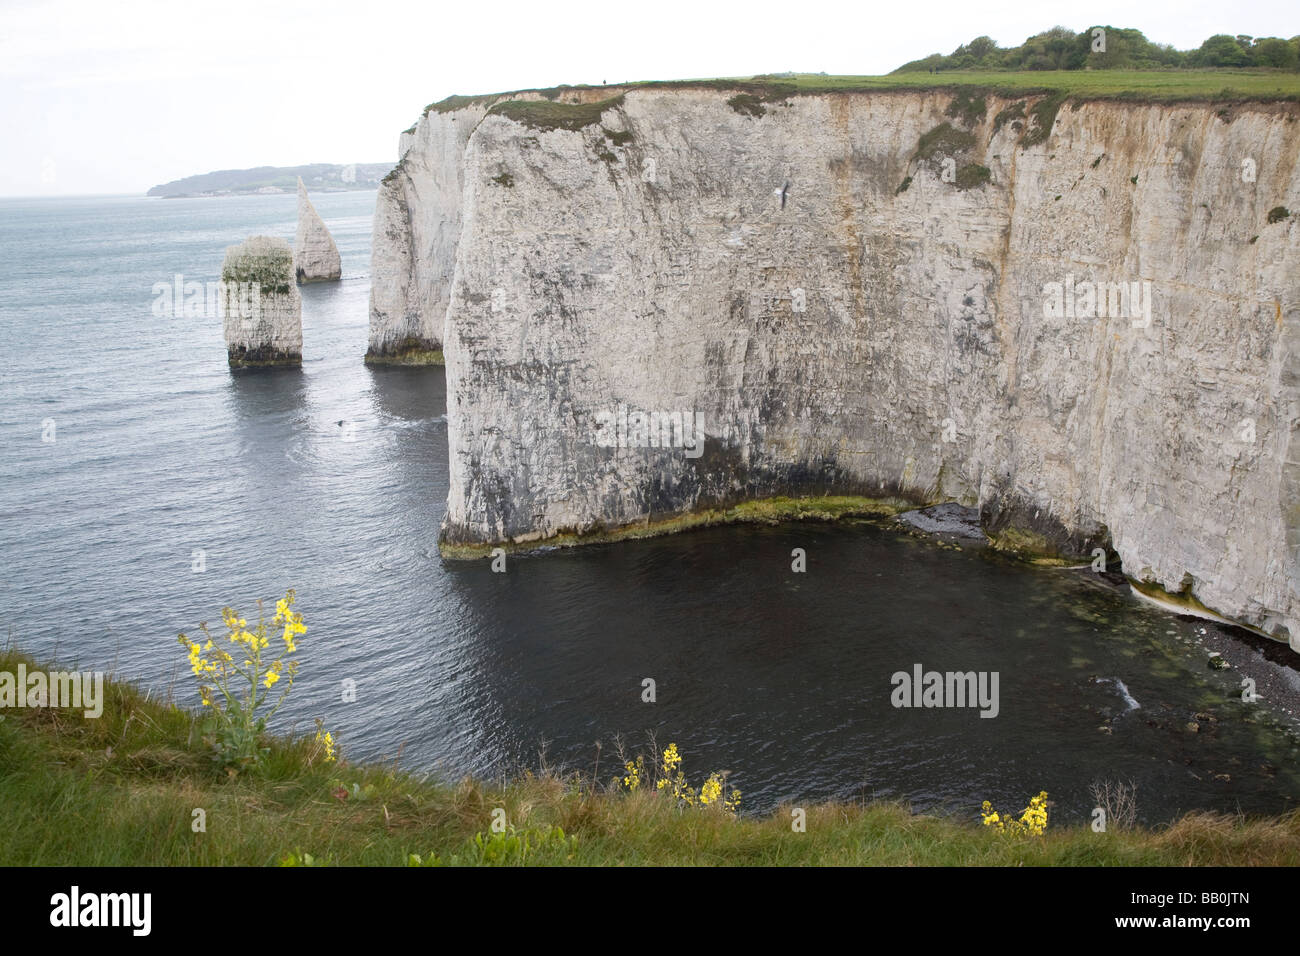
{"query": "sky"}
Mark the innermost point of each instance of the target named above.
(115, 96)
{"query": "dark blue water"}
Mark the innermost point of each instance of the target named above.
(781, 678)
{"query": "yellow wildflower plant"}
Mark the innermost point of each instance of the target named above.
(1032, 820)
(672, 780)
(635, 770)
(241, 697)
(324, 743)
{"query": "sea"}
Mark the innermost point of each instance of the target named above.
(144, 486)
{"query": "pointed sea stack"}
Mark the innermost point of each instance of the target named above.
(316, 258)
(261, 306)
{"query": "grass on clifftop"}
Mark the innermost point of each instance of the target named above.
(1211, 85)
(1084, 84)
(123, 790)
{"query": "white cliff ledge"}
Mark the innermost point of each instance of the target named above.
(858, 299)
(316, 257)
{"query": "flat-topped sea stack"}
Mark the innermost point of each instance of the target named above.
(316, 257)
(261, 305)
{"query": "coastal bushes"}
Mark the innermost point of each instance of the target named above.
(972, 176)
(1061, 48)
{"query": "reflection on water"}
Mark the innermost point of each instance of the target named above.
(331, 479)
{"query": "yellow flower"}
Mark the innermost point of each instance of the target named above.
(271, 678)
(325, 739)
(671, 759)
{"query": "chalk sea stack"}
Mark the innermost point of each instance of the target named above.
(261, 304)
(409, 292)
(316, 257)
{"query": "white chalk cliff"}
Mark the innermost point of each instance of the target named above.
(315, 256)
(859, 300)
(261, 306)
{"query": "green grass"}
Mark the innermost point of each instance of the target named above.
(1230, 85)
(747, 104)
(1217, 85)
(972, 176)
(968, 107)
(121, 790)
(1009, 114)
(549, 115)
(1042, 117)
(943, 139)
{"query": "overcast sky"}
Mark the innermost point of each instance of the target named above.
(115, 96)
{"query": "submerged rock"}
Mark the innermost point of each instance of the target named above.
(261, 305)
(948, 518)
(316, 257)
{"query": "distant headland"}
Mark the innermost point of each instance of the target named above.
(319, 177)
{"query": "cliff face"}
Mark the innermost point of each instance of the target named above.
(417, 226)
(315, 256)
(857, 299)
(416, 232)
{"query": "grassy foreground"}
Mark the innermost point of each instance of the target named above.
(123, 790)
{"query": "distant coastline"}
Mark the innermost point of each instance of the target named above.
(319, 177)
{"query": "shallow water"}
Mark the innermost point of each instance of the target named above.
(784, 679)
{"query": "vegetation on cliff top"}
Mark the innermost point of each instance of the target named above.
(752, 95)
(262, 261)
(1111, 48)
(1124, 65)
